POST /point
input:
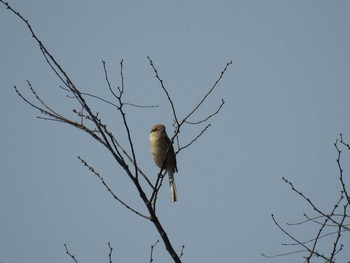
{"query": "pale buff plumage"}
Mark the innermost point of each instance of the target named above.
(159, 145)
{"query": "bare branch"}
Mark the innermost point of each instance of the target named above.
(157, 186)
(208, 93)
(296, 240)
(195, 139)
(120, 90)
(318, 236)
(91, 169)
(107, 79)
(341, 178)
(69, 254)
(346, 144)
(340, 228)
(152, 248)
(313, 239)
(182, 251)
(208, 117)
(58, 117)
(312, 204)
(283, 254)
(90, 95)
(314, 220)
(122, 113)
(110, 252)
(165, 90)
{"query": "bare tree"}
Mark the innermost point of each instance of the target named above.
(89, 121)
(331, 225)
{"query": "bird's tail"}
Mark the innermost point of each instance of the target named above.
(173, 196)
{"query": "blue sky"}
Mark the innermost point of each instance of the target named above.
(287, 99)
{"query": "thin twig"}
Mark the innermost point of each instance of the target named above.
(107, 80)
(152, 248)
(123, 114)
(296, 240)
(90, 95)
(312, 204)
(110, 252)
(314, 220)
(346, 144)
(284, 254)
(208, 93)
(195, 139)
(182, 251)
(209, 116)
(313, 239)
(164, 89)
(157, 186)
(335, 244)
(110, 190)
(318, 236)
(69, 254)
(341, 178)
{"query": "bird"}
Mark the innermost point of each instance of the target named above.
(161, 147)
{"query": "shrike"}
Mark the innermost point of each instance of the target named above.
(159, 143)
